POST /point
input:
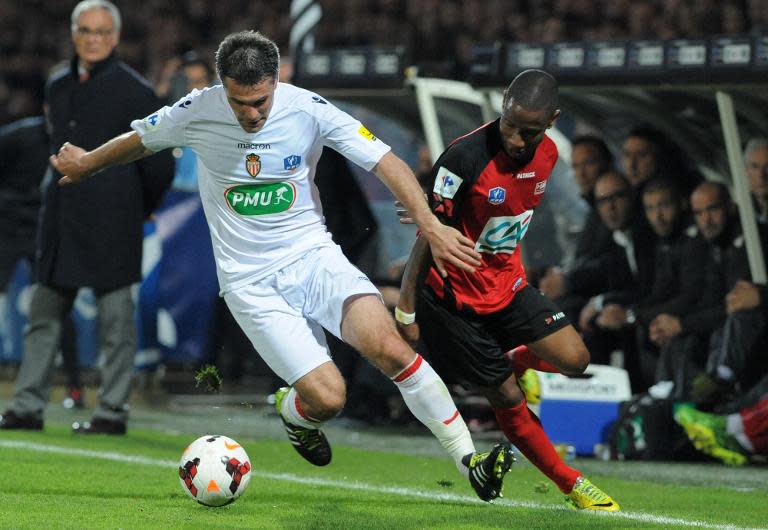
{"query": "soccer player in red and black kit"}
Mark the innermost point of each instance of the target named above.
(487, 185)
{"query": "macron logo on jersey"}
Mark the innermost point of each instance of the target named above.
(447, 183)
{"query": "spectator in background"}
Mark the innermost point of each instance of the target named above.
(24, 147)
(756, 159)
(677, 277)
(590, 158)
(619, 275)
(89, 101)
(646, 153)
(684, 340)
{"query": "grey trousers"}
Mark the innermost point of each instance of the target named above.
(117, 336)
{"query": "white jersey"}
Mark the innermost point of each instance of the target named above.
(258, 189)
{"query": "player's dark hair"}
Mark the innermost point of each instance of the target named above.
(534, 90)
(605, 155)
(248, 58)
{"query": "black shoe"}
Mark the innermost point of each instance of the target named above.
(99, 426)
(487, 470)
(12, 421)
(309, 443)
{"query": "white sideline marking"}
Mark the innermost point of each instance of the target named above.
(360, 486)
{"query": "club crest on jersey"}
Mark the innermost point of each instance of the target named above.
(497, 195)
(447, 183)
(252, 164)
(540, 186)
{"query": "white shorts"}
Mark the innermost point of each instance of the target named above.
(283, 314)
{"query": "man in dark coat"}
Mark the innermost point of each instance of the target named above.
(89, 102)
(24, 146)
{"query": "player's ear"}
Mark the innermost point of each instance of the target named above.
(552, 120)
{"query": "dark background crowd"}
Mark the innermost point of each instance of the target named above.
(438, 34)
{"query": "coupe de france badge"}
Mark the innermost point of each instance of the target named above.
(497, 195)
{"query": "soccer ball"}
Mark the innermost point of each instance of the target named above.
(214, 470)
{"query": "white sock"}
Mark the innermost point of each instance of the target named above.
(428, 399)
(291, 412)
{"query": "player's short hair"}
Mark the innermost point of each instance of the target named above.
(248, 58)
(88, 5)
(534, 90)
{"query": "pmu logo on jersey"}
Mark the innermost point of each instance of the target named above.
(447, 183)
(554, 318)
(497, 195)
(261, 199)
(365, 133)
(540, 187)
(503, 234)
(291, 162)
(252, 164)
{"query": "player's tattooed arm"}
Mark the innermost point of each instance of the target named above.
(76, 164)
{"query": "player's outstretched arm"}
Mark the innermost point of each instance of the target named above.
(415, 271)
(76, 164)
(447, 243)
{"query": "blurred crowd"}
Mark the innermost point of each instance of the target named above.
(439, 34)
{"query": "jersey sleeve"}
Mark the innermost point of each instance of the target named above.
(452, 176)
(167, 127)
(345, 134)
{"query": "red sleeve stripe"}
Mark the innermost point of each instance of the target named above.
(410, 370)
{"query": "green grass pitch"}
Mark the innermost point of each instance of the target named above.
(56, 480)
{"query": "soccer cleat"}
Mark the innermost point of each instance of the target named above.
(531, 386)
(309, 443)
(487, 470)
(708, 434)
(587, 496)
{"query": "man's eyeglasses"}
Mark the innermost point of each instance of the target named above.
(615, 196)
(99, 32)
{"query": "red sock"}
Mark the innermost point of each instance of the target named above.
(523, 429)
(522, 359)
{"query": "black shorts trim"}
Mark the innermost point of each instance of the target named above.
(469, 349)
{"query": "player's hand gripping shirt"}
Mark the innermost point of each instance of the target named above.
(481, 193)
(257, 189)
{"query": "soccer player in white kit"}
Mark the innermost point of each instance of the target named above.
(258, 142)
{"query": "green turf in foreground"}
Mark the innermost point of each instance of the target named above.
(43, 484)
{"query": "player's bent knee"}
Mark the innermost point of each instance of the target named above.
(392, 354)
(577, 360)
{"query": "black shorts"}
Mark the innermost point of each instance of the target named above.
(469, 349)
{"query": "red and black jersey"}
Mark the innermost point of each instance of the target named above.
(479, 191)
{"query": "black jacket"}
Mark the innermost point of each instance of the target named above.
(91, 233)
(678, 277)
(610, 274)
(23, 161)
(726, 264)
